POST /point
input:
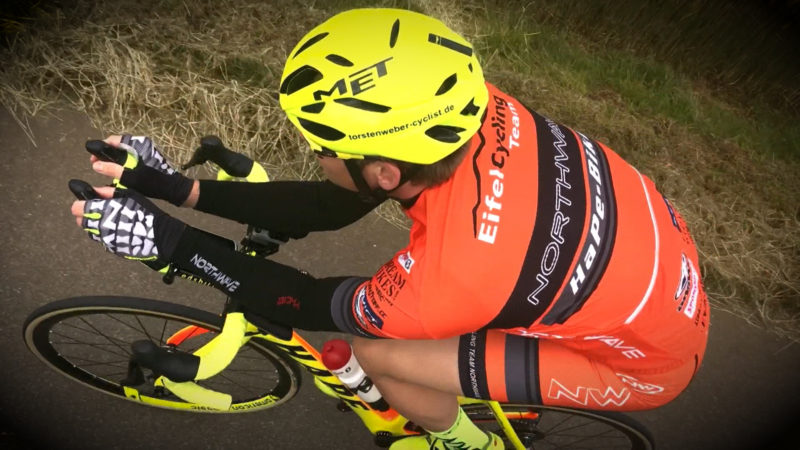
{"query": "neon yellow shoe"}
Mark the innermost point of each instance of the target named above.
(432, 443)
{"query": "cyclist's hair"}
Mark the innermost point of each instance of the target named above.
(428, 175)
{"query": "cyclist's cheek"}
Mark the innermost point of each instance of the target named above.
(336, 172)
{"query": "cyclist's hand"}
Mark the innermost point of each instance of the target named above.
(147, 152)
(135, 162)
(128, 224)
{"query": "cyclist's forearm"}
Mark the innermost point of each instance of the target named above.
(194, 194)
(278, 292)
(291, 207)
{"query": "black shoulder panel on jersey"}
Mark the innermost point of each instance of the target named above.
(342, 307)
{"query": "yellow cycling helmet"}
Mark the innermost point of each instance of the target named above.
(384, 83)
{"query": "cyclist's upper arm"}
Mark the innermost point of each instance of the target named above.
(403, 300)
(359, 310)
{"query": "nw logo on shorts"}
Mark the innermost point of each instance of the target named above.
(583, 395)
(639, 386)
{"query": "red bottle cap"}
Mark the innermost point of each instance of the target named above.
(335, 354)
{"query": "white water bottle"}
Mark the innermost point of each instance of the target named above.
(338, 357)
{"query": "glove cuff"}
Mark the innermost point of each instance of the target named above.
(167, 234)
(153, 183)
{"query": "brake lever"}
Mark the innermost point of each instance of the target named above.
(212, 149)
(106, 152)
(82, 190)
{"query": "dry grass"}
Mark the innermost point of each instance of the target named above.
(190, 69)
(176, 75)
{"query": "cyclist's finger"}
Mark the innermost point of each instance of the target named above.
(85, 219)
(90, 217)
(108, 168)
(114, 140)
(105, 191)
(77, 209)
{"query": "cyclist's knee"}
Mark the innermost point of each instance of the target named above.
(371, 355)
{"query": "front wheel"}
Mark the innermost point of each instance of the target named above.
(550, 427)
(89, 339)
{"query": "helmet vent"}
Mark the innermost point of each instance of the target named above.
(447, 84)
(299, 79)
(320, 130)
(325, 151)
(309, 43)
(470, 67)
(313, 108)
(444, 133)
(340, 60)
(447, 43)
(361, 104)
(395, 31)
(471, 109)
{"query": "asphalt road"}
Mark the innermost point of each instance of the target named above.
(746, 395)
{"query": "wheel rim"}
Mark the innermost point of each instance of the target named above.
(92, 346)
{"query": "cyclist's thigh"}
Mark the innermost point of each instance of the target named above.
(510, 368)
(429, 363)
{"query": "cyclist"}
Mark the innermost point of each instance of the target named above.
(541, 267)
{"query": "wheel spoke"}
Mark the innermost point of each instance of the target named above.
(588, 438)
(232, 382)
(163, 333)
(104, 347)
(112, 341)
(562, 431)
(562, 428)
(86, 362)
(555, 427)
(144, 329)
(118, 319)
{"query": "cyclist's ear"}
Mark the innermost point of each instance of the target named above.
(386, 174)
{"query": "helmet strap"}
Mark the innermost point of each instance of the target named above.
(377, 195)
(366, 194)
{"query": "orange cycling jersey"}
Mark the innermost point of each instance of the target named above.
(543, 232)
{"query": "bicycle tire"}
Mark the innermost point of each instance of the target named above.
(60, 334)
(552, 427)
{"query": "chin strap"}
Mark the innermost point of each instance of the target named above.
(366, 194)
(376, 195)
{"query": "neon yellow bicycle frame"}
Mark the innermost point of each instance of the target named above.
(236, 332)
